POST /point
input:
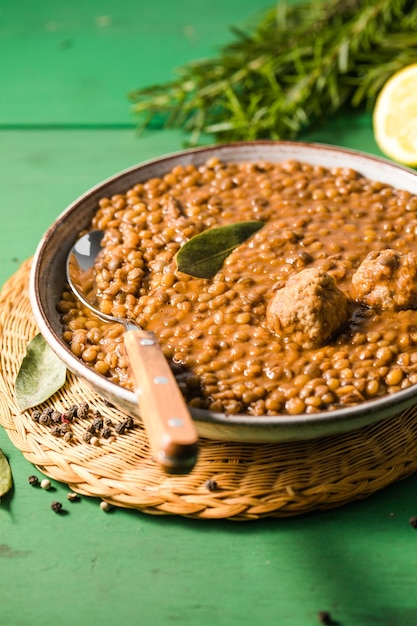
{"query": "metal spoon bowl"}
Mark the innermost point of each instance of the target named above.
(167, 420)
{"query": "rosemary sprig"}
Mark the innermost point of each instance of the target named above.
(297, 67)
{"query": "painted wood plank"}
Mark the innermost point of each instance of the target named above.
(74, 63)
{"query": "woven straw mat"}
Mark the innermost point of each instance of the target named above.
(230, 481)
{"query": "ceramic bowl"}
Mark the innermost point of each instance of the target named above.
(48, 278)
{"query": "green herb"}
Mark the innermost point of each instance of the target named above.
(41, 374)
(296, 68)
(203, 255)
(6, 480)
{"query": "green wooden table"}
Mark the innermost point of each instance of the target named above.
(65, 125)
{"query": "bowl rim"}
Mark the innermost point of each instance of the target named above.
(379, 408)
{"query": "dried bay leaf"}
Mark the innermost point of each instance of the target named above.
(41, 374)
(6, 480)
(203, 255)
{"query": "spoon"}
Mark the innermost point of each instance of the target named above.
(170, 428)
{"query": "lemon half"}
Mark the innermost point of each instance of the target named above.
(395, 116)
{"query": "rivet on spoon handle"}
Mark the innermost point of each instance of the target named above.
(167, 420)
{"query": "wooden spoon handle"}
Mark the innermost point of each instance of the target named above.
(170, 428)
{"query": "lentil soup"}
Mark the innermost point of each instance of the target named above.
(214, 332)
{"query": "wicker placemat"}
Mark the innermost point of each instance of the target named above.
(231, 480)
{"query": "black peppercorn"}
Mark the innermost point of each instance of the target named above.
(120, 428)
(98, 423)
(56, 431)
(68, 437)
(128, 422)
(326, 618)
(211, 485)
(106, 432)
(87, 436)
(36, 415)
(56, 417)
(33, 480)
(71, 413)
(413, 522)
(56, 506)
(45, 419)
(82, 410)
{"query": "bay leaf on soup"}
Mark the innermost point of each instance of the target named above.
(204, 254)
(41, 374)
(6, 480)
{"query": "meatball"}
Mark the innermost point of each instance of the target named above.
(386, 280)
(309, 309)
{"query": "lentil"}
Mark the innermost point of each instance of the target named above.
(213, 331)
